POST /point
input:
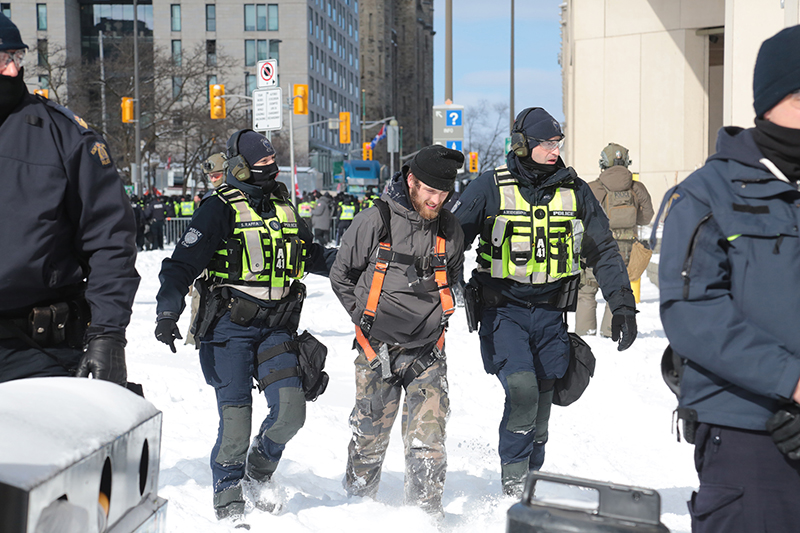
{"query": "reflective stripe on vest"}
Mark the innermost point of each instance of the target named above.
(260, 252)
(531, 244)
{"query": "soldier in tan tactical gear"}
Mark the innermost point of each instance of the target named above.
(393, 274)
(627, 204)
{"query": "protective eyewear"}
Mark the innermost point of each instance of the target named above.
(7, 56)
(549, 145)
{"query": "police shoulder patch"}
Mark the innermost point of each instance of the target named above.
(670, 203)
(275, 225)
(191, 237)
(99, 153)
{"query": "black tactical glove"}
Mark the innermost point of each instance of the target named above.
(104, 358)
(784, 426)
(167, 329)
(623, 328)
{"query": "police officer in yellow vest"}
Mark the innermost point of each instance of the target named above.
(347, 209)
(187, 207)
(535, 220)
(305, 208)
(249, 247)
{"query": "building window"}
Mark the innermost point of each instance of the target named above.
(249, 84)
(210, 80)
(211, 53)
(211, 17)
(44, 81)
(41, 17)
(177, 81)
(261, 50)
(175, 17)
(274, 50)
(273, 17)
(310, 21)
(176, 52)
(41, 52)
(355, 5)
(261, 17)
(249, 52)
(249, 17)
(6, 9)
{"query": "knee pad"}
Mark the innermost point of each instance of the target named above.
(523, 401)
(235, 434)
(291, 415)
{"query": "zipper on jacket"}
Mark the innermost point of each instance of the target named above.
(687, 264)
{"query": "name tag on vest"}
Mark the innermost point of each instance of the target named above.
(250, 224)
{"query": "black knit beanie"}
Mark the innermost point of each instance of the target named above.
(254, 146)
(538, 124)
(436, 166)
(9, 35)
(777, 71)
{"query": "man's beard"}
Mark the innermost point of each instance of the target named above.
(419, 205)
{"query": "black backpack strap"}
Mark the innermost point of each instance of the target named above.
(386, 217)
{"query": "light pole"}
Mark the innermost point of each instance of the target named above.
(136, 107)
(511, 104)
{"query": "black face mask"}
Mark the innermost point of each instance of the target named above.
(780, 145)
(11, 92)
(263, 173)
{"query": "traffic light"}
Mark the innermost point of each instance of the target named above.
(344, 127)
(43, 92)
(127, 109)
(366, 152)
(473, 161)
(300, 98)
(216, 93)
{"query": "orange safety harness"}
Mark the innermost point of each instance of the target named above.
(384, 259)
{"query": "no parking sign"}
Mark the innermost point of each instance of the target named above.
(267, 73)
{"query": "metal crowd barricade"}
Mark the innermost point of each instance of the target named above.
(174, 228)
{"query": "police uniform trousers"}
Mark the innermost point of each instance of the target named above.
(746, 484)
(227, 358)
(18, 360)
(526, 349)
(425, 412)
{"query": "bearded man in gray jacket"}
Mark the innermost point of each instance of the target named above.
(393, 274)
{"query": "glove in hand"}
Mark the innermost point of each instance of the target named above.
(104, 359)
(623, 329)
(167, 331)
(784, 426)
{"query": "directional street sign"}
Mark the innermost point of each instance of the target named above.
(448, 122)
(453, 145)
(267, 73)
(268, 109)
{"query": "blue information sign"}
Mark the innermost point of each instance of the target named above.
(454, 145)
(454, 117)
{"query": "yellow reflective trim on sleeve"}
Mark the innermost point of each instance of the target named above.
(734, 237)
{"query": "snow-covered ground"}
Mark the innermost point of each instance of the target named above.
(619, 431)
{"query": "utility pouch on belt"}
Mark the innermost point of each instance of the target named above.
(311, 355)
(472, 306)
(48, 324)
(243, 311)
(690, 423)
(567, 297)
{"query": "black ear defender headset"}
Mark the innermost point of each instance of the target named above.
(236, 163)
(519, 142)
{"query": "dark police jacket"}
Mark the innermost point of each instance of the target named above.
(211, 225)
(65, 217)
(729, 276)
(482, 199)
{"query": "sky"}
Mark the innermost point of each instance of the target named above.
(481, 53)
(619, 431)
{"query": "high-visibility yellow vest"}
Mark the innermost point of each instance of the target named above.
(187, 209)
(305, 209)
(531, 244)
(260, 252)
(348, 212)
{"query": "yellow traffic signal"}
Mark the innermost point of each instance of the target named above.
(43, 92)
(300, 94)
(473, 161)
(127, 109)
(344, 127)
(216, 93)
(366, 152)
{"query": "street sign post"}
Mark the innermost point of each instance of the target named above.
(267, 73)
(268, 109)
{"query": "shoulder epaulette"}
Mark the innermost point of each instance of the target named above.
(503, 176)
(83, 127)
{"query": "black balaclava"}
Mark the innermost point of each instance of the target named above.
(254, 147)
(12, 91)
(780, 145)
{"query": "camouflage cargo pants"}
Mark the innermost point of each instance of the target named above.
(425, 412)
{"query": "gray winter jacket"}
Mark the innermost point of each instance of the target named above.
(409, 310)
(322, 213)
